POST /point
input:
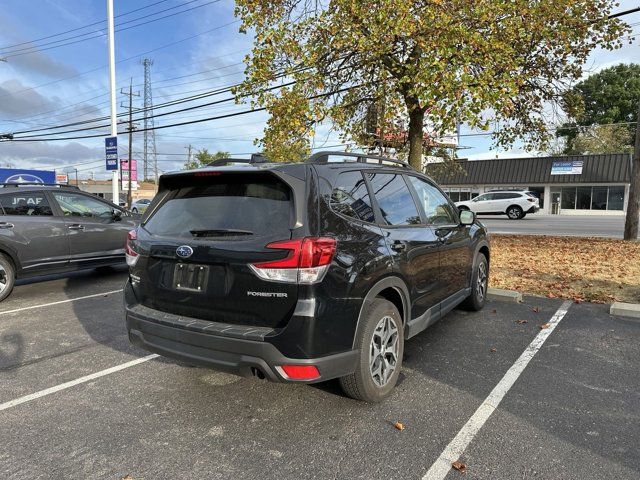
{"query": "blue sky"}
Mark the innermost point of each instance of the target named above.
(196, 48)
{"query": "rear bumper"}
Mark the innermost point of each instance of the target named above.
(242, 351)
(533, 209)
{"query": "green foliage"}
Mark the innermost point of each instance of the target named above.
(601, 139)
(609, 96)
(203, 157)
(435, 62)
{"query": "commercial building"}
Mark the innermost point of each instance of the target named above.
(565, 185)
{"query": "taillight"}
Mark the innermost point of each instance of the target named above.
(130, 248)
(532, 200)
(299, 372)
(307, 261)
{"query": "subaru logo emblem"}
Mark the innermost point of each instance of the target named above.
(184, 251)
(24, 178)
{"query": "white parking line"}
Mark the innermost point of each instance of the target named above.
(59, 302)
(72, 383)
(457, 446)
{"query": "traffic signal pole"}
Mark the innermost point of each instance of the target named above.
(112, 87)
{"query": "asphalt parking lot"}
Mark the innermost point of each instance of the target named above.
(571, 412)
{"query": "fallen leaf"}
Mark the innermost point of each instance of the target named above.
(461, 467)
(545, 325)
(494, 311)
(399, 426)
(127, 477)
(536, 309)
(493, 349)
(522, 322)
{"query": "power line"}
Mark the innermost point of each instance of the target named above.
(99, 33)
(190, 122)
(82, 28)
(138, 55)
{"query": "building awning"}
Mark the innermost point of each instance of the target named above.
(604, 168)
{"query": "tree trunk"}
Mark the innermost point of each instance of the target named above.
(633, 205)
(416, 122)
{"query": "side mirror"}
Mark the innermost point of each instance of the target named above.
(467, 217)
(116, 215)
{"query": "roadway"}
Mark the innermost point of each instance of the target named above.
(563, 225)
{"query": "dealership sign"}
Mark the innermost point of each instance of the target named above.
(11, 175)
(111, 152)
(571, 167)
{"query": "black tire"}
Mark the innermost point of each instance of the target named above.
(514, 212)
(134, 210)
(463, 208)
(361, 384)
(7, 276)
(478, 297)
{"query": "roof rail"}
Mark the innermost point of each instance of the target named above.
(323, 157)
(36, 184)
(255, 158)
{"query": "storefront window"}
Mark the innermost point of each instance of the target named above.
(616, 198)
(465, 196)
(599, 198)
(568, 198)
(583, 198)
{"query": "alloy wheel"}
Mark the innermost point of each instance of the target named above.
(481, 283)
(514, 213)
(3, 279)
(383, 356)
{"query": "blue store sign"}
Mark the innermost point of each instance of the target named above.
(111, 152)
(11, 175)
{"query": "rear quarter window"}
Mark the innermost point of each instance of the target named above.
(228, 205)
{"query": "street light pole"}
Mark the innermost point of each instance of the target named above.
(112, 87)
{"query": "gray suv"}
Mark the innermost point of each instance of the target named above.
(52, 229)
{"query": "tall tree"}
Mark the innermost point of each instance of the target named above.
(203, 157)
(610, 96)
(435, 62)
(601, 139)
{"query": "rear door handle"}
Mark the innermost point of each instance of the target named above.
(76, 226)
(6, 225)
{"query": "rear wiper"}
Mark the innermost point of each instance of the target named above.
(220, 232)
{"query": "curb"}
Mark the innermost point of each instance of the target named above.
(625, 309)
(504, 295)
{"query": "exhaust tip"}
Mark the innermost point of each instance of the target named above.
(256, 372)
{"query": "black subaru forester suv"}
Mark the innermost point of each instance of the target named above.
(301, 272)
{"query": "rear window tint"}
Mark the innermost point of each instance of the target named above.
(351, 198)
(230, 205)
(26, 203)
(394, 199)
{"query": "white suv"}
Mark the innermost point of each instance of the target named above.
(514, 204)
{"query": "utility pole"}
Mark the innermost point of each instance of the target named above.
(115, 190)
(633, 205)
(130, 129)
(189, 154)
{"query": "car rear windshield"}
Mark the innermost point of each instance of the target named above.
(224, 206)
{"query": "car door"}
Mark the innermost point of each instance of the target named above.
(97, 229)
(502, 200)
(483, 203)
(412, 244)
(31, 232)
(454, 259)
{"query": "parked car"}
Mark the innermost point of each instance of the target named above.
(301, 272)
(140, 205)
(513, 204)
(51, 229)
